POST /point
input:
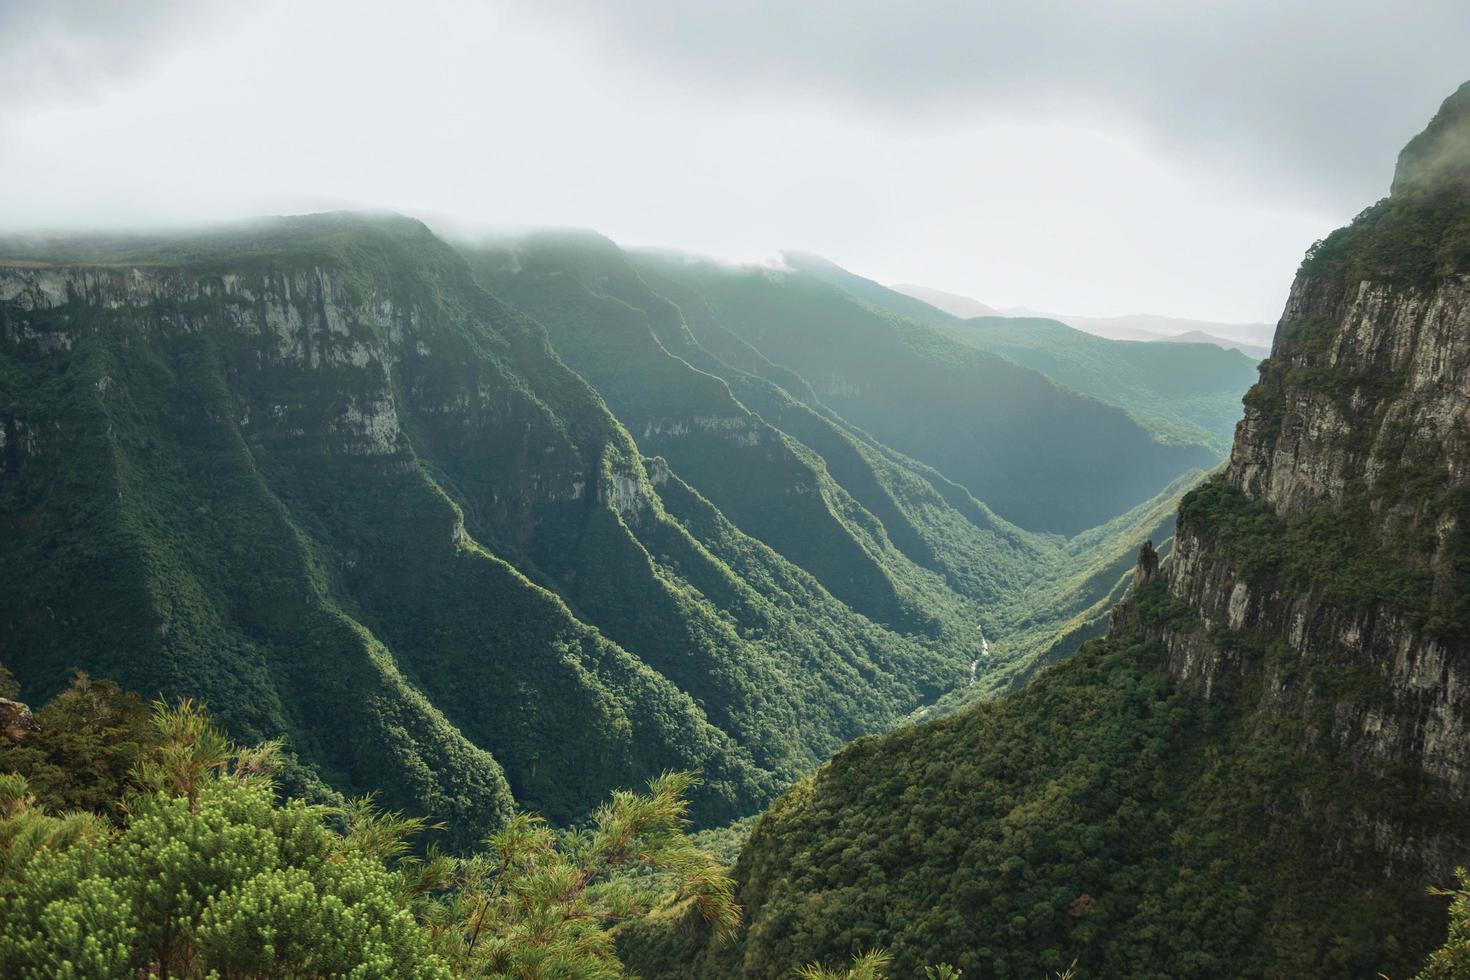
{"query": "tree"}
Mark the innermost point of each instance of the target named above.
(208, 876)
(85, 749)
(538, 905)
(1452, 960)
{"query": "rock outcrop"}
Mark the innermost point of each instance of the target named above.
(16, 720)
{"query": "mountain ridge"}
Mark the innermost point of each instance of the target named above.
(1252, 339)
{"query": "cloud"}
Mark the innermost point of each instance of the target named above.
(1292, 97)
(55, 51)
(1098, 158)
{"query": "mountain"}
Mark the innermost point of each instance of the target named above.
(1255, 352)
(495, 526)
(1252, 339)
(1148, 326)
(1039, 455)
(889, 535)
(1186, 394)
(952, 303)
(1261, 767)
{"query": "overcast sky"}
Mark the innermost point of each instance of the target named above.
(1082, 157)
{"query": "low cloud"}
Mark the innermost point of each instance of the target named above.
(1295, 97)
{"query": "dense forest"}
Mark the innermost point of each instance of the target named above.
(500, 524)
(530, 490)
(138, 839)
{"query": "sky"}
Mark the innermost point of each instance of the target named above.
(1097, 157)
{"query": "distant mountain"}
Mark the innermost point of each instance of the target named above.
(1184, 394)
(1146, 326)
(1252, 339)
(1040, 455)
(1257, 353)
(952, 303)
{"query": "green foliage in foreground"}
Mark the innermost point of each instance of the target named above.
(1452, 960)
(208, 875)
(873, 965)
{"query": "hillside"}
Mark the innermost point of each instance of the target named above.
(1251, 339)
(1256, 352)
(1184, 393)
(1040, 456)
(885, 533)
(1262, 766)
(952, 303)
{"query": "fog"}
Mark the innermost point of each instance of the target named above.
(1078, 157)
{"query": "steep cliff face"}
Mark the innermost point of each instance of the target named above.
(1332, 554)
(888, 536)
(221, 481)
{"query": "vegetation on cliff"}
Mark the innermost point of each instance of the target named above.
(971, 414)
(1100, 815)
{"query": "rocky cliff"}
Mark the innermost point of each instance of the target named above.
(1332, 554)
(310, 472)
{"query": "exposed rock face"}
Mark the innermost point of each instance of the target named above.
(1359, 429)
(1398, 360)
(16, 720)
(311, 472)
(252, 439)
(1148, 564)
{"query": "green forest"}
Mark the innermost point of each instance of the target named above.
(474, 540)
(139, 839)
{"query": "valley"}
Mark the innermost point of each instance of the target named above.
(335, 474)
(497, 491)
